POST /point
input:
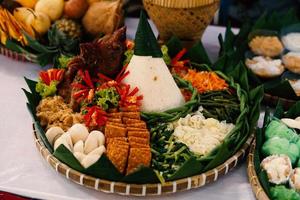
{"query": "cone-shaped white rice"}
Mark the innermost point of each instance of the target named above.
(155, 83)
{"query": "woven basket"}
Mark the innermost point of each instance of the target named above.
(142, 189)
(254, 181)
(273, 100)
(14, 55)
(187, 19)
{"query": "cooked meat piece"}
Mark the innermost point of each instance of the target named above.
(112, 48)
(102, 56)
(64, 88)
(135, 159)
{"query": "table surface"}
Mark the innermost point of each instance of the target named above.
(23, 170)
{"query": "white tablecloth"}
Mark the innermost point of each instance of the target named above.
(23, 171)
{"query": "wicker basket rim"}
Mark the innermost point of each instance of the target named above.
(181, 3)
(143, 189)
(252, 176)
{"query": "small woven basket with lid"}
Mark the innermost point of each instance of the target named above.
(187, 19)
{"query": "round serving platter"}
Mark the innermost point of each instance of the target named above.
(273, 101)
(253, 179)
(14, 55)
(142, 189)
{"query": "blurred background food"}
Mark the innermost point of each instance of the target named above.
(236, 11)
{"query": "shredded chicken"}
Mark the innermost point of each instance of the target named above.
(53, 111)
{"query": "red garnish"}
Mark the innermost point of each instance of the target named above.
(95, 116)
(128, 98)
(51, 75)
(86, 90)
(129, 44)
(179, 66)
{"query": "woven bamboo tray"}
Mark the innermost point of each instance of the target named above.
(142, 189)
(273, 100)
(187, 19)
(14, 55)
(253, 179)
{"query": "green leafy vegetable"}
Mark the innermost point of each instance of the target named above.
(221, 105)
(128, 55)
(46, 90)
(107, 98)
(166, 57)
(63, 61)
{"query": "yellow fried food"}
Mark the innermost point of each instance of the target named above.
(11, 28)
(118, 153)
(291, 61)
(269, 46)
(53, 111)
(135, 159)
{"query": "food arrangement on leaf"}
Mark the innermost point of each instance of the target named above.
(49, 31)
(270, 49)
(135, 112)
(273, 165)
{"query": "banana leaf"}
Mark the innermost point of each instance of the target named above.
(267, 24)
(103, 168)
(236, 77)
(145, 40)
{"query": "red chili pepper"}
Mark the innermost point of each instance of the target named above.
(86, 90)
(51, 75)
(128, 98)
(95, 116)
(178, 56)
(129, 44)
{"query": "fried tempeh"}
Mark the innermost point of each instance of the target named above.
(116, 115)
(138, 140)
(132, 115)
(118, 154)
(135, 159)
(113, 139)
(115, 131)
(141, 134)
(130, 109)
